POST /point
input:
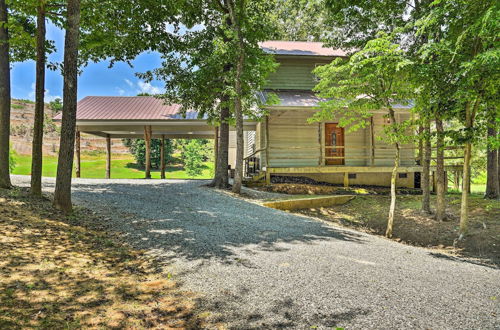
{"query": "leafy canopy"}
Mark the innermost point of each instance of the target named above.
(199, 70)
(371, 79)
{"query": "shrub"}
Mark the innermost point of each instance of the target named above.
(12, 158)
(16, 106)
(56, 105)
(193, 154)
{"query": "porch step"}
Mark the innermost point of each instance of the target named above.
(257, 177)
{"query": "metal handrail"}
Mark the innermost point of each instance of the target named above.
(254, 153)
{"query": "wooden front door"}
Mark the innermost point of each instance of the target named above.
(334, 144)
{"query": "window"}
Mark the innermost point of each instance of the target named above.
(334, 141)
(403, 175)
(352, 175)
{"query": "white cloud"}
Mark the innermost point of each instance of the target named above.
(120, 91)
(145, 87)
(47, 97)
(129, 83)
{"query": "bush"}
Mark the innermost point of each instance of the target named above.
(193, 153)
(12, 159)
(137, 148)
(56, 105)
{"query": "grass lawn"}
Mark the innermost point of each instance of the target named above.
(122, 167)
(69, 272)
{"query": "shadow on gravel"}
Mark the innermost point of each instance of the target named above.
(462, 260)
(283, 313)
(186, 220)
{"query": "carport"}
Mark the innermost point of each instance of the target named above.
(145, 117)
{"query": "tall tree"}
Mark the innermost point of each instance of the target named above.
(36, 151)
(16, 45)
(469, 34)
(4, 97)
(426, 164)
(28, 9)
(373, 78)
(115, 30)
(249, 23)
(201, 70)
(62, 195)
(237, 11)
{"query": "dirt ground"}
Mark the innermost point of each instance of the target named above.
(368, 212)
(330, 189)
(57, 272)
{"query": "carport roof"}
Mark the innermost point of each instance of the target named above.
(103, 108)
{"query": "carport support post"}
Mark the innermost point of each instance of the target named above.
(162, 156)
(147, 139)
(108, 156)
(346, 180)
(77, 149)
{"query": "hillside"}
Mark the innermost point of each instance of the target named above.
(21, 124)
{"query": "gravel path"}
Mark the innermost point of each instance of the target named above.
(262, 268)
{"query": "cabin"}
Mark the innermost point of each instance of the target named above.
(287, 145)
(283, 143)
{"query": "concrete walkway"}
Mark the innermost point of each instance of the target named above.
(263, 268)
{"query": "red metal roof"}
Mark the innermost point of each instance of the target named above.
(302, 48)
(128, 108)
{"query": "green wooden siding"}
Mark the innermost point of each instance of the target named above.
(294, 74)
(295, 142)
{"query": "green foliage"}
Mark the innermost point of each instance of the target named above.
(351, 24)
(56, 105)
(17, 106)
(193, 154)
(49, 126)
(371, 79)
(298, 20)
(12, 158)
(137, 148)
(199, 71)
(461, 54)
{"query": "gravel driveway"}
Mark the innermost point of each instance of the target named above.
(262, 268)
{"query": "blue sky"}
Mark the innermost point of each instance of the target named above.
(96, 79)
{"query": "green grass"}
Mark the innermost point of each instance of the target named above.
(122, 167)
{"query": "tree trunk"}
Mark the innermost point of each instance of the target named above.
(464, 207)
(420, 145)
(394, 175)
(426, 165)
(37, 147)
(78, 165)
(4, 99)
(216, 148)
(492, 178)
(456, 181)
(221, 175)
(440, 174)
(62, 194)
(108, 156)
(238, 111)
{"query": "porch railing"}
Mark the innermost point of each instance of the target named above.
(372, 156)
(252, 164)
